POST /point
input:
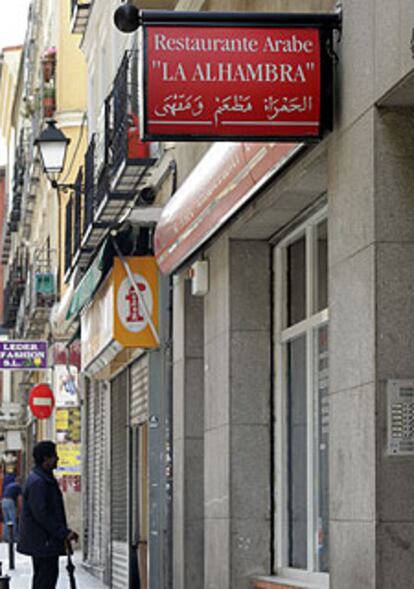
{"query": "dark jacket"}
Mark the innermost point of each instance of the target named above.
(43, 526)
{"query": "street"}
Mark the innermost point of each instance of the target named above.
(21, 576)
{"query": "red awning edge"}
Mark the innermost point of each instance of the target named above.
(222, 182)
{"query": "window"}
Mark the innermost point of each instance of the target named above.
(301, 400)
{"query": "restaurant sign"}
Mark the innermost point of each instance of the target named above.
(23, 355)
(236, 81)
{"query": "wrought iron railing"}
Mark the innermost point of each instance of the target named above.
(77, 233)
(89, 196)
(124, 109)
(11, 306)
(104, 166)
(18, 182)
(102, 186)
(15, 286)
(68, 235)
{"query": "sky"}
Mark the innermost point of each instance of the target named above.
(13, 21)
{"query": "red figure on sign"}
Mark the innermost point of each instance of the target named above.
(134, 315)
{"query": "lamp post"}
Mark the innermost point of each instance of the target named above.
(53, 145)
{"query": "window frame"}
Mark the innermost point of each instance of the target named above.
(282, 335)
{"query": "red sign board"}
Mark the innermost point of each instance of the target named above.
(232, 82)
(41, 401)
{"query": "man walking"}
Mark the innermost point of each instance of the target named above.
(43, 528)
(11, 507)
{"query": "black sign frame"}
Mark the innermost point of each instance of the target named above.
(326, 23)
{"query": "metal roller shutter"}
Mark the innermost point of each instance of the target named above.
(99, 473)
(139, 391)
(87, 482)
(96, 401)
(119, 482)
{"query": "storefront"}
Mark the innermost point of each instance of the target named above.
(95, 475)
(293, 362)
(250, 372)
(121, 383)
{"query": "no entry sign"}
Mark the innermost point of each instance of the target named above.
(41, 401)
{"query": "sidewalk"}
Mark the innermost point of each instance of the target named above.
(21, 576)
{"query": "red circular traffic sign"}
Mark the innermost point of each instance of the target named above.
(41, 401)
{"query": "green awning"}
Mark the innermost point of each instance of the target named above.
(88, 285)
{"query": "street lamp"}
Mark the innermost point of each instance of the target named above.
(53, 144)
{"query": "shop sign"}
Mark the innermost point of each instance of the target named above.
(70, 459)
(235, 82)
(97, 323)
(68, 425)
(66, 385)
(132, 327)
(41, 401)
(23, 355)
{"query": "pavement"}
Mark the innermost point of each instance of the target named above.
(21, 576)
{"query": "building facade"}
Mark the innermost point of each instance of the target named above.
(126, 392)
(260, 435)
(33, 226)
(291, 371)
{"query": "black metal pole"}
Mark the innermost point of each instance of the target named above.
(281, 19)
(11, 546)
(4, 580)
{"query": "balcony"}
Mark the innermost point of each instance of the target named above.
(130, 157)
(6, 243)
(68, 237)
(93, 230)
(119, 171)
(39, 298)
(80, 11)
(31, 187)
(77, 218)
(15, 287)
(11, 306)
(40, 288)
(15, 212)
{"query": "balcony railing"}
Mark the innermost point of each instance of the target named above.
(15, 286)
(116, 169)
(80, 11)
(68, 236)
(130, 157)
(40, 295)
(89, 196)
(11, 306)
(77, 234)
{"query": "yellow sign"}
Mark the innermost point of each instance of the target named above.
(69, 459)
(62, 419)
(68, 425)
(135, 303)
